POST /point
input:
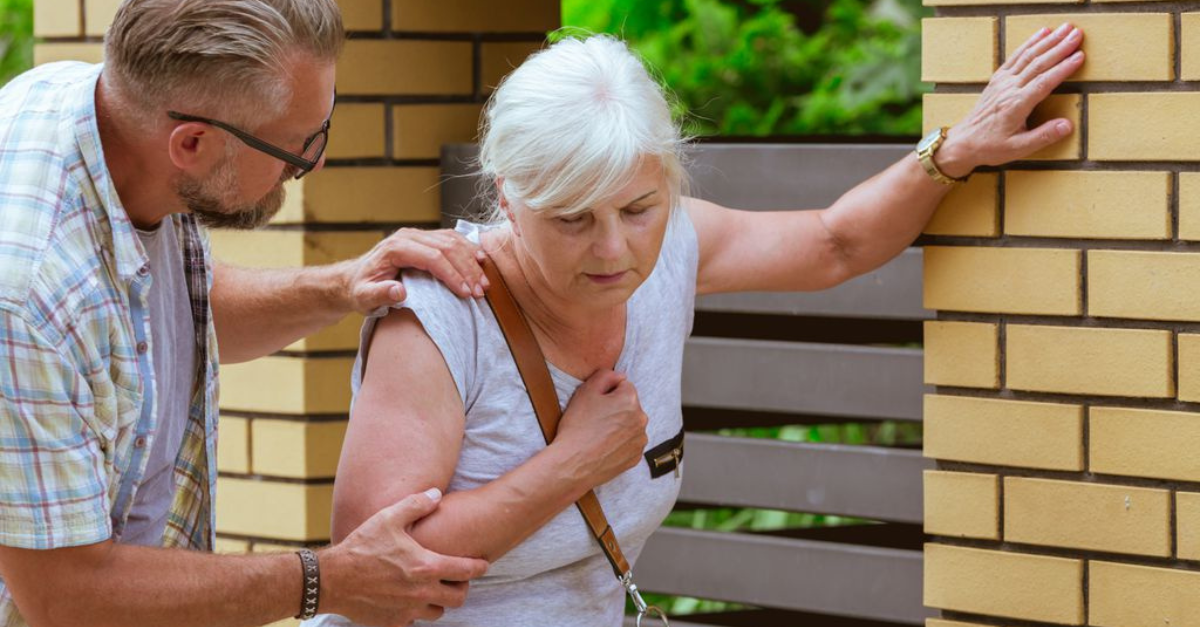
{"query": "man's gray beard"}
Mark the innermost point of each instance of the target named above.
(210, 200)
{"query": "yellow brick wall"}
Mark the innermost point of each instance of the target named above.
(1065, 357)
(414, 75)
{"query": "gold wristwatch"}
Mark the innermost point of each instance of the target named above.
(925, 151)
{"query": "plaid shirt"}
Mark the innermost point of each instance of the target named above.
(77, 393)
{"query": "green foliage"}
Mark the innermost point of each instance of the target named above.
(748, 69)
(16, 38)
(886, 433)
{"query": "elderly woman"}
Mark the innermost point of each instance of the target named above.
(604, 254)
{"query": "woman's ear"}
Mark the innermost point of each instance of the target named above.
(505, 206)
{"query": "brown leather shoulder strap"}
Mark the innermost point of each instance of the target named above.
(531, 363)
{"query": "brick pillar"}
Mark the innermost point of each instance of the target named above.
(414, 75)
(1066, 417)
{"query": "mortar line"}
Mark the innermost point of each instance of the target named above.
(1177, 44)
(1083, 283)
(1084, 136)
(1173, 523)
(1173, 206)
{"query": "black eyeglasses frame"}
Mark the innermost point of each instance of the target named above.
(298, 161)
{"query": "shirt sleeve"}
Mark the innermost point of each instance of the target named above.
(53, 477)
(451, 322)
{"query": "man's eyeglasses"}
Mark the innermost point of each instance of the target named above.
(304, 162)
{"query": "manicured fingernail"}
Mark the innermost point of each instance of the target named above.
(1075, 34)
(466, 288)
(394, 293)
(478, 291)
(480, 255)
(1062, 29)
(486, 282)
(1064, 128)
(434, 494)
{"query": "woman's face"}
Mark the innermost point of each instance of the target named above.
(600, 256)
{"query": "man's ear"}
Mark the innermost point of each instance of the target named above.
(195, 148)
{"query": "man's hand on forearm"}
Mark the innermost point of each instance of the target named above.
(381, 576)
(260, 311)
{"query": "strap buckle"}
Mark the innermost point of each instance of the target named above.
(643, 609)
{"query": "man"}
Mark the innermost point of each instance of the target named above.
(108, 341)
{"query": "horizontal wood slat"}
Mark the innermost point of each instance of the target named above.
(838, 579)
(862, 481)
(785, 176)
(891, 292)
(794, 377)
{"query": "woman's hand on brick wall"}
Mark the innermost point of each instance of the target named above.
(996, 131)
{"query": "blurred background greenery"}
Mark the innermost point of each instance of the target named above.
(758, 68)
(16, 38)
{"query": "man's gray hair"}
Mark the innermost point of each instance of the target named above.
(230, 56)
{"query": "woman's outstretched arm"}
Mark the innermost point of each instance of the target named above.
(878, 219)
(406, 432)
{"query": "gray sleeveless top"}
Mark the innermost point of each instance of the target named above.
(558, 576)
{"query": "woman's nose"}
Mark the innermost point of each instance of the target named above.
(610, 242)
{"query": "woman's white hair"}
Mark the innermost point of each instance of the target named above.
(571, 126)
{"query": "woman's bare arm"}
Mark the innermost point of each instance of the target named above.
(406, 433)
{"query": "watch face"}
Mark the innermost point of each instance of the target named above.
(928, 140)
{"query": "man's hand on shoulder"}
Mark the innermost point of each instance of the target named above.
(372, 281)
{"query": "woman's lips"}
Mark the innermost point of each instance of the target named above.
(606, 279)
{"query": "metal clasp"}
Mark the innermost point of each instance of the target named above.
(643, 609)
(672, 455)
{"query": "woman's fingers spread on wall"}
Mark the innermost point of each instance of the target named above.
(1052, 57)
(1040, 46)
(1019, 53)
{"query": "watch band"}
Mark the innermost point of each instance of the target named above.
(925, 156)
(311, 573)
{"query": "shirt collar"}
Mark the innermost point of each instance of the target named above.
(126, 248)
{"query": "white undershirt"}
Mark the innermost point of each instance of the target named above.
(173, 353)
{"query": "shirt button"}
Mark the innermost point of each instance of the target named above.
(142, 347)
(144, 270)
(140, 442)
